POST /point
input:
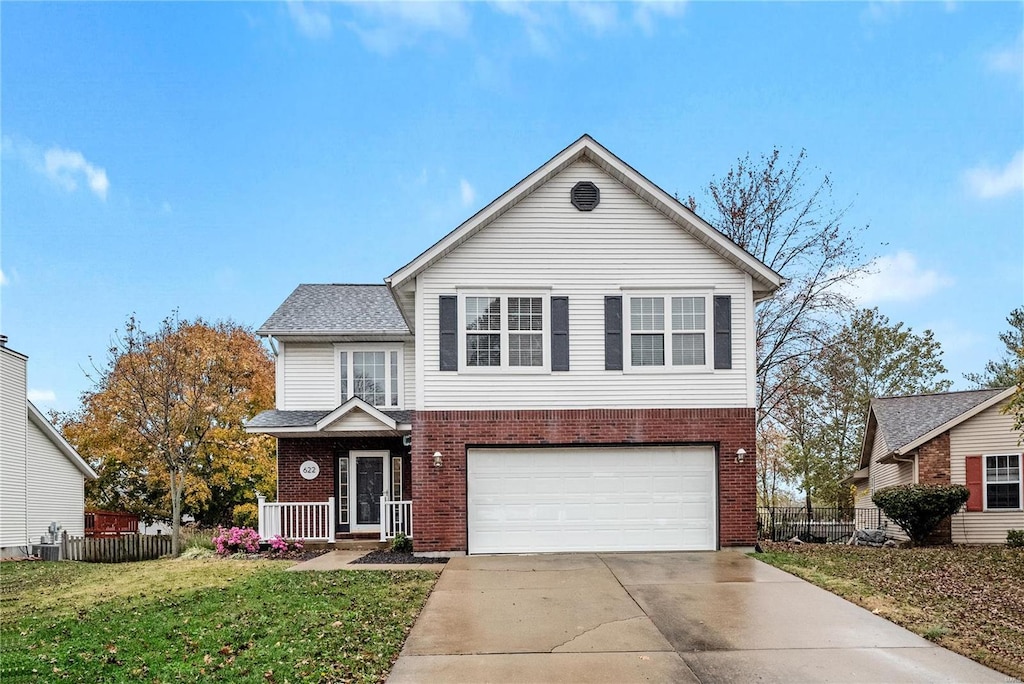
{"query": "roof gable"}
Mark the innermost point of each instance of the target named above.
(765, 280)
(323, 309)
(904, 423)
(68, 451)
(335, 420)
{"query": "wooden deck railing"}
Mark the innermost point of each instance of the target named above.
(109, 524)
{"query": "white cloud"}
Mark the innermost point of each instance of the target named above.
(312, 23)
(467, 192)
(386, 27)
(65, 168)
(986, 182)
(599, 16)
(3, 277)
(895, 278)
(37, 395)
(166, 207)
(648, 12)
(1009, 59)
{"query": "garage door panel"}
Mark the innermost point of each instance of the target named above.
(591, 499)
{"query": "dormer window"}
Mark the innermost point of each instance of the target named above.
(371, 372)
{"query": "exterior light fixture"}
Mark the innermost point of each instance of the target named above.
(740, 455)
(437, 459)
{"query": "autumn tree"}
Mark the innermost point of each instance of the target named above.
(1004, 371)
(869, 357)
(773, 469)
(770, 207)
(163, 422)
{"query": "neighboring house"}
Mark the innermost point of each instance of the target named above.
(949, 438)
(571, 369)
(42, 478)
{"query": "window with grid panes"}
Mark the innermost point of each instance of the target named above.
(1002, 481)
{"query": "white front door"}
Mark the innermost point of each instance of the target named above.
(370, 475)
(591, 499)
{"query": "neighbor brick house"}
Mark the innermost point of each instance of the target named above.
(571, 369)
(948, 438)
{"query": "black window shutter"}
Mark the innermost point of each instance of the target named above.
(723, 331)
(559, 333)
(449, 324)
(613, 333)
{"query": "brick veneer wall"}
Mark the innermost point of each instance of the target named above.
(933, 468)
(291, 453)
(439, 512)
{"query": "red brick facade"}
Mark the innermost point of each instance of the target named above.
(933, 469)
(439, 513)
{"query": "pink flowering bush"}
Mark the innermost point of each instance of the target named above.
(281, 547)
(236, 540)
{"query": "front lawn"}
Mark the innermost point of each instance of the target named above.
(967, 599)
(202, 620)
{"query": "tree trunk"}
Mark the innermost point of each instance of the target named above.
(177, 489)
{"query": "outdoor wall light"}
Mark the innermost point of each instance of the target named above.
(740, 455)
(437, 459)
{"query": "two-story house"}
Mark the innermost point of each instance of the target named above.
(571, 369)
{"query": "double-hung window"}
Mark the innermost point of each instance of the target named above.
(505, 332)
(1003, 482)
(668, 331)
(371, 372)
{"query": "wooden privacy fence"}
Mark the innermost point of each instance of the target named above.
(123, 549)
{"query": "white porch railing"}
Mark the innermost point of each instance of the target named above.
(395, 517)
(297, 521)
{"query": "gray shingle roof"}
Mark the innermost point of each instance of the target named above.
(901, 420)
(336, 309)
(287, 419)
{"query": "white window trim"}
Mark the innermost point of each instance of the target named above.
(667, 295)
(342, 394)
(1020, 483)
(504, 368)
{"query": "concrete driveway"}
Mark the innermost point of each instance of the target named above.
(667, 617)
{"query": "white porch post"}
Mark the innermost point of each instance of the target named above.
(261, 509)
(383, 519)
(331, 513)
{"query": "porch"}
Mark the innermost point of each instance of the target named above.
(317, 521)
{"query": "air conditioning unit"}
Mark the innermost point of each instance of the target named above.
(46, 552)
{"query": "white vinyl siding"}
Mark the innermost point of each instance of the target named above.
(13, 446)
(989, 432)
(311, 377)
(56, 488)
(624, 245)
(884, 475)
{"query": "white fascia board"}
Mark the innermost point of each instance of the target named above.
(952, 423)
(353, 403)
(39, 420)
(618, 169)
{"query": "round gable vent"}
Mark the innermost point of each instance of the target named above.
(585, 196)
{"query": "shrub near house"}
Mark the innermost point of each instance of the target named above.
(919, 509)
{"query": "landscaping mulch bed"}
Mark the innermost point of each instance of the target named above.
(396, 558)
(969, 599)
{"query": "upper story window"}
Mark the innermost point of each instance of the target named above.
(505, 332)
(1003, 482)
(371, 372)
(668, 331)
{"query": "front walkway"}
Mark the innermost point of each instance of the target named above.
(679, 617)
(342, 560)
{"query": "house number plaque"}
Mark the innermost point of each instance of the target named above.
(309, 470)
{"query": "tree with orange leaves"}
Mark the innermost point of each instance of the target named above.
(163, 424)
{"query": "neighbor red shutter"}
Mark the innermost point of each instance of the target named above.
(976, 502)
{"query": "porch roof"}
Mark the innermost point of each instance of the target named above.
(311, 423)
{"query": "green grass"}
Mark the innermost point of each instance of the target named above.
(203, 620)
(967, 599)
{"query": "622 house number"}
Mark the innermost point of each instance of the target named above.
(309, 470)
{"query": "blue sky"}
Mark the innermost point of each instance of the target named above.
(209, 157)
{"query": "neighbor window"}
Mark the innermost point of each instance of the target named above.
(667, 331)
(372, 374)
(1002, 482)
(505, 331)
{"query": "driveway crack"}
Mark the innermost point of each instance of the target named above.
(588, 631)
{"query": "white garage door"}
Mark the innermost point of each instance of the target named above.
(591, 499)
